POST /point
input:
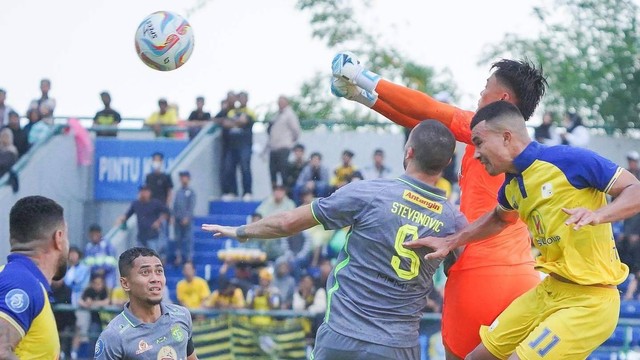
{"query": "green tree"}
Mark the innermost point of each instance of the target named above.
(589, 51)
(336, 23)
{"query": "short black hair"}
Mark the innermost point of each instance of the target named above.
(315, 154)
(34, 217)
(159, 154)
(77, 250)
(493, 111)
(349, 153)
(525, 80)
(125, 262)
(13, 113)
(433, 146)
(95, 228)
(298, 146)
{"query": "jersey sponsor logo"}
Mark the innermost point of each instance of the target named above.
(167, 353)
(547, 190)
(422, 201)
(538, 224)
(99, 349)
(142, 347)
(17, 300)
(176, 333)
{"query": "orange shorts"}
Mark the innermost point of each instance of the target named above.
(476, 297)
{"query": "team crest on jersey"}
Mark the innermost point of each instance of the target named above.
(99, 349)
(176, 333)
(422, 201)
(167, 353)
(17, 300)
(547, 190)
(142, 347)
(538, 224)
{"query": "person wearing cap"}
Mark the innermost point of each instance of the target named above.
(165, 116)
(342, 173)
(183, 207)
(107, 117)
(150, 215)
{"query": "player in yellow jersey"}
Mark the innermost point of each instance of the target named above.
(560, 193)
(39, 251)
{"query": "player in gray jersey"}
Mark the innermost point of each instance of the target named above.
(147, 328)
(378, 288)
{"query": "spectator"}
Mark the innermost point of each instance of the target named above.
(229, 296)
(298, 250)
(160, 120)
(107, 117)
(45, 105)
(41, 129)
(4, 108)
(313, 178)
(284, 130)
(276, 203)
(158, 181)
(240, 273)
(226, 105)
(100, 256)
(342, 173)
(377, 170)
(77, 276)
(183, 207)
(65, 320)
(546, 133)
(118, 297)
(284, 282)
(193, 290)
(294, 168)
(8, 151)
(576, 134)
(150, 214)
(263, 297)
(237, 142)
(33, 115)
(19, 135)
(88, 319)
(198, 118)
(308, 297)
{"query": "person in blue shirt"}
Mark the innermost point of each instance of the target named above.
(100, 256)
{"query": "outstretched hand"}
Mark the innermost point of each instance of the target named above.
(221, 231)
(440, 247)
(580, 217)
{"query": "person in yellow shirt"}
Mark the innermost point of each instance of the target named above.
(164, 117)
(192, 290)
(343, 172)
(229, 296)
(263, 297)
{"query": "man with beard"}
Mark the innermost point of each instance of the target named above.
(39, 251)
(147, 328)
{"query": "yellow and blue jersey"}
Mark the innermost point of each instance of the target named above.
(24, 303)
(552, 178)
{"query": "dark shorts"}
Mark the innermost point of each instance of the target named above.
(333, 346)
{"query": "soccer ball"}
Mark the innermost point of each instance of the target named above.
(164, 41)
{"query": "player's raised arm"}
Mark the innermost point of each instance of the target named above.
(275, 226)
(626, 191)
(488, 225)
(9, 339)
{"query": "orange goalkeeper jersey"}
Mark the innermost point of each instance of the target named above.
(479, 190)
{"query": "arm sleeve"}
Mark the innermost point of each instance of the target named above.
(592, 170)
(190, 347)
(129, 212)
(20, 301)
(502, 198)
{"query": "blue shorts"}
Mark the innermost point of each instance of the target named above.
(331, 345)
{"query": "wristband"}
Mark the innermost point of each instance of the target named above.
(241, 232)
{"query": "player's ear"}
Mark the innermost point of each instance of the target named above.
(506, 137)
(58, 239)
(125, 284)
